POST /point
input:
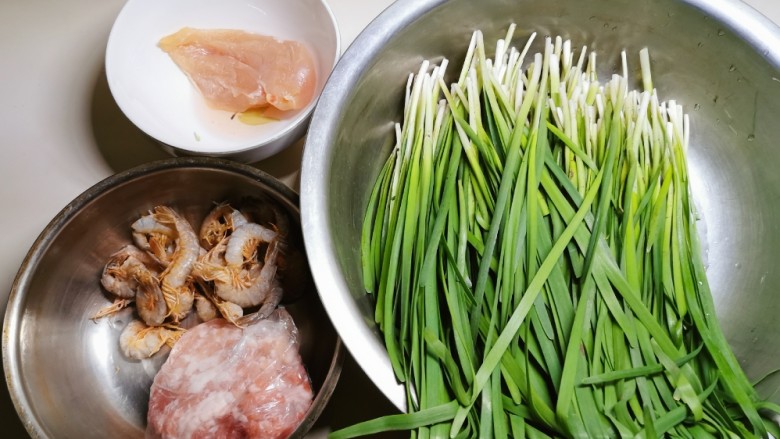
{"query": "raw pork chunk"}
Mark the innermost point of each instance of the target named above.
(221, 381)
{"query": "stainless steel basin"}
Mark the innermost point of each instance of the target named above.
(719, 58)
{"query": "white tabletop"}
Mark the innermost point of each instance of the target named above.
(61, 132)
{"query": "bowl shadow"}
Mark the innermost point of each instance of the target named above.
(121, 143)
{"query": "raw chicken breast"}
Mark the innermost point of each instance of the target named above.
(236, 70)
(221, 381)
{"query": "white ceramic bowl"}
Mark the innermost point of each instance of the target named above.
(159, 98)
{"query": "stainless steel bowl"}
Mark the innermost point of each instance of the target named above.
(720, 58)
(66, 374)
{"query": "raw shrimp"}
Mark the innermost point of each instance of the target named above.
(209, 307)
(155, 238)
(211, 265)
(293, 270)
(182, 302)
(260, 290)
(149, 299)
(177, 291)
(244, 241)
(118, 273)
(238, 277)
(139, 341)
(204, 308)
(219, 223)
(120, 277)
(270, 303)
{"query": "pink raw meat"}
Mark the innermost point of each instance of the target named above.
(237, 70)
(221, 381)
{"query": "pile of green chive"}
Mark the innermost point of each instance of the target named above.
(531, 248)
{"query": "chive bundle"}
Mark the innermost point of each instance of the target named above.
(531, 248)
